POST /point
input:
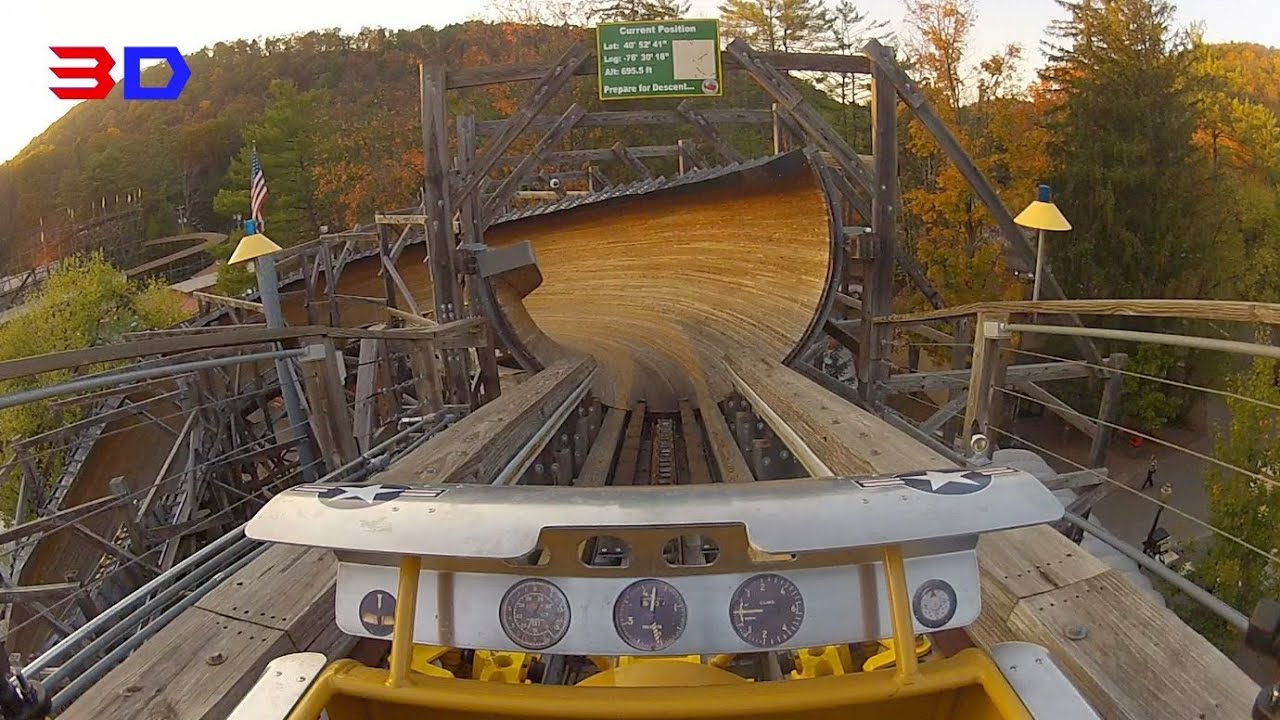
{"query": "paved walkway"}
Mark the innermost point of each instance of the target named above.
(1129, 512)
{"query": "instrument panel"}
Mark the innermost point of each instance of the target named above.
(766, 610)
(534, 613)
(695, 614)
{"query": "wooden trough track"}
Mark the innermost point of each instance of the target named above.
(283, 601)
(131, 448)
(656, 285)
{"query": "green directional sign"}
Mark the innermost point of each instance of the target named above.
(659, 58)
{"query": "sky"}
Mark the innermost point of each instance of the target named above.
(30, 27)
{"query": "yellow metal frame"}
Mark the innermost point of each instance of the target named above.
(684, 692)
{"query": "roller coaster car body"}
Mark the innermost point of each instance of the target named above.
(805, 598)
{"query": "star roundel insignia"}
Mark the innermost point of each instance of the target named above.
(944, 482)
(358, 496)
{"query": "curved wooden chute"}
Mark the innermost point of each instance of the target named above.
(659, 286)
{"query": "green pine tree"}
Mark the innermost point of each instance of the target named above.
(777, 25)
(630, 10)
(1126, 174)
(289, 139)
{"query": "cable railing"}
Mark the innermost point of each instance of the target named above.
(976, 415)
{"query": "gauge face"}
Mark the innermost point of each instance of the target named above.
(534, 614)
(934, 603)
(650, 615)
(766, 610)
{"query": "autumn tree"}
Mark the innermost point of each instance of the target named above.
(1238, 136)
(777, 25)
(1124, 170)
(629, 10)
(944, 223)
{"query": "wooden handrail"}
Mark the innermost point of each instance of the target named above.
(460, 333)
(1221, 310)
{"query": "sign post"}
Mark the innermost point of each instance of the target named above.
(659, 58)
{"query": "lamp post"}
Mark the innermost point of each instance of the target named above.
(1151, 545)
(1042, 215)
(256, 247)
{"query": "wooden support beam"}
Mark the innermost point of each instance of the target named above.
(327, 403)
(908, 263)
(887, 67)
(694, 447)
(944, 379)
(877, 282)
(555, 78)
(384, 253)
(439, 202)
(599, 181)
(224, 301)
(392, 274)
(722, 445)
(468, 209)
(1108, 410)
(599, 460)
(690, 159)
(1077, 479)
(945, 413)
(935, 335)
(632, 118)
(987, 355)
(552, 138)
(1059, 407)
(27, 593)
(596, 155)
(625, 157)
(330, 284)
(366, 392)
(858, 200)
(426, 376)
(629, 455)
(126, 558)
(846, 332)
(709, 132)
(790, 99)
(57, 520)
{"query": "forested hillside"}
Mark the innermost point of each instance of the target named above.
(335, 118)
(1163, 150)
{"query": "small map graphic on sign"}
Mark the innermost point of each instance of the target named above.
(693, 59)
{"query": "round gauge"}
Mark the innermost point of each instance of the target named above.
(534, 614)
(766, 610)
(650, 615)
(934, 603)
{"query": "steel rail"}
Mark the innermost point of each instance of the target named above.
(101, 381)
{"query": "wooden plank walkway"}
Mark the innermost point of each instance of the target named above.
(1139, 660)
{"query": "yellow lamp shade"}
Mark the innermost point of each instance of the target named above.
(253, 246)
(1042, 216)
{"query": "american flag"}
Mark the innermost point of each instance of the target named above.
(257, 190)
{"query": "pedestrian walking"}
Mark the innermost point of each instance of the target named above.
(1151, 475)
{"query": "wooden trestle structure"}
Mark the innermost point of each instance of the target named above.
(669, 330)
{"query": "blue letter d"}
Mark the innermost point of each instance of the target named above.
(133, 89)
